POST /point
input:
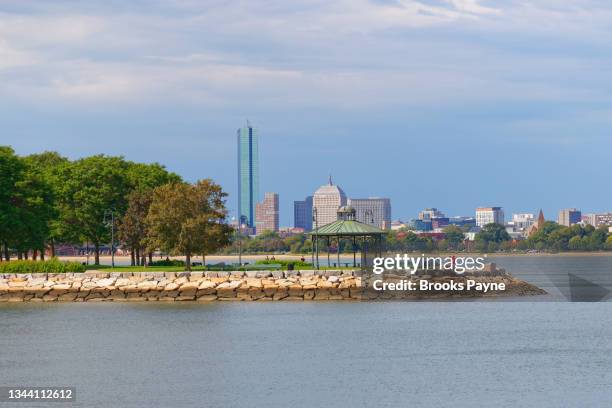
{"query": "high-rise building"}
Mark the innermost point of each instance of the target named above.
(325, 203)
(374, 211)
(248, 174)
(266, 214)
(302, 214)
(429, 213)
(489, 215)
(569, 217)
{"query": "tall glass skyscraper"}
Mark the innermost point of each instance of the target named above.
(248, 174)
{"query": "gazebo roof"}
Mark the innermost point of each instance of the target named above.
(347, 227)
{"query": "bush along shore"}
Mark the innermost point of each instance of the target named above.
(97, 286)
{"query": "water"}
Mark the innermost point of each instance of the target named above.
(336, 354)
(461, 354)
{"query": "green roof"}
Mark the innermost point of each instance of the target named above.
(347, 227)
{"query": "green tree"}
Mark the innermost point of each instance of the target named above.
(90, 188)
(11, 171)
(454, 236)
(132, 227)
(188, 219)
(490, 236)
(47, 167)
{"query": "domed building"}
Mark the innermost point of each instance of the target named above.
(326, 202)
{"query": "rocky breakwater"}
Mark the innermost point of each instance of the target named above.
(171, 287)
(94, 286)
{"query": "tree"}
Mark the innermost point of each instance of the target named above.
(47, 167)
(490, 236)
(132, 226)
(188, 219)
(11, 169)
(90, 188)
(454, 236)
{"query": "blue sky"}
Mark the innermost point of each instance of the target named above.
(446, 103)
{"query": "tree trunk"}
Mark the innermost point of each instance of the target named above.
(188, 262)
(7, 255)
(204, 260)
(52, 248)
(42, 254)
(97, 253)
(143, 259)
(25, 255)
(150, 257)
(132, 257)
(35, 254)
(19, 255)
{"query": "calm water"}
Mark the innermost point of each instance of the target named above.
(460, 354)
(463, 354)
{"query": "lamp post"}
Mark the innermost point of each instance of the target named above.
(316, 221)
(111, 212)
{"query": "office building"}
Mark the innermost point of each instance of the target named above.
(302, 214)
(325, 203)
(266, 214)
(462, 221)
(569, 217)
(248, 174)
(489, 215)
(603, 219)
(374, 211)
(429, 213)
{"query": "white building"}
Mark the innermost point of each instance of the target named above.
(325, 203)
(489, 215)
(374, 211)
(522, 222)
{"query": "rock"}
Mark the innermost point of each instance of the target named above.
(189, 286)
(206, 298)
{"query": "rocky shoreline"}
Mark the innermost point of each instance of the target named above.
(96, 286)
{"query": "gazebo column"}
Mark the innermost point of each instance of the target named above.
(354, 252)
(338, 251)
(328, 249)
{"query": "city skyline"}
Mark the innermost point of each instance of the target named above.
(412, 113)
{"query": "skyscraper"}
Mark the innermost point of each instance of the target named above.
(374, 211)
(302, 214)
(266, 214)
(326, 201)
(248, 174)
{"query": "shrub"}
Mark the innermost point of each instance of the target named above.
(168, 262)
(50, 266)
(284, 263)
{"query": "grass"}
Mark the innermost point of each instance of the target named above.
(108, 268)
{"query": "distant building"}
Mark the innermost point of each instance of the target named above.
(462, 221)
(398, 225)
(538, 225)
(374, 211)
(489, 215)
(603, 219)
(248, 174)
(569, 217)
(267, 214)
(522, 222)
(302, 214)
(439, 222)
(429, 213)
(590, 219)
(421, 225)
(326, 201)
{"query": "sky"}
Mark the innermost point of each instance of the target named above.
(451, 104)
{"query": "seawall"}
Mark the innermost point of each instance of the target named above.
(95, 286)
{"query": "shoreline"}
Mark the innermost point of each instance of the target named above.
(307, 257)
(310, 285)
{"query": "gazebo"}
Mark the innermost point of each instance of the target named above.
(347, 227)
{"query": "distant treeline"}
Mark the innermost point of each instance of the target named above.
(492, 238)
(47, 199)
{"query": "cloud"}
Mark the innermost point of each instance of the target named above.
(347, 54)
